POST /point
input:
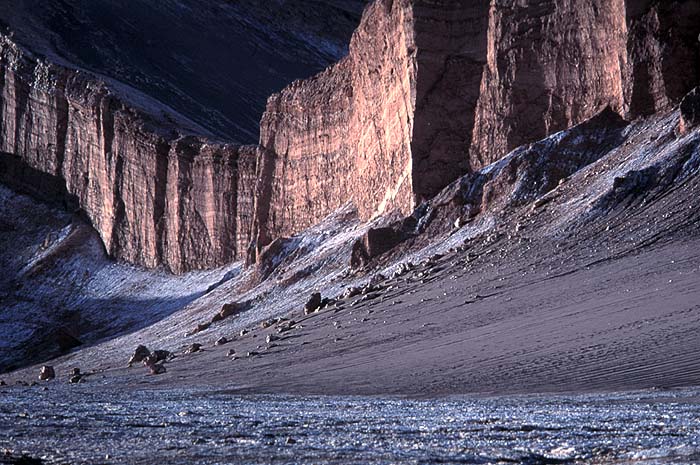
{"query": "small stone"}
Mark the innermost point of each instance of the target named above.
(75, 379)
(47, 373)
(75, 372)
(200, 327)
(193, 348)
(290, 441)
(352, 292)
(244, 332)
(157, 369)
(270, 338)
(231, 352)
(221, 341)
(252, 353)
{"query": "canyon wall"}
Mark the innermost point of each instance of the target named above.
(430, 90)
(435, 89)
(156, 197)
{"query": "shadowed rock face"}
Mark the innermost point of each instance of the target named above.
(433, 90)
(214, 61)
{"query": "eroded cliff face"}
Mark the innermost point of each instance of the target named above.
(156, 197)
(430, 90)
(433, 90)
(345, 134)
(552, 64)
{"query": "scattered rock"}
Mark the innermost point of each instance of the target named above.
(373, 243)
(286, 326)
(290, 441)
(313, 304)
(270, 338)
(243, 332)
(3, 383)
(252, 353)
(193, 348)
(200, 327)
(161, 355)
(47, 373)
(221, 341)
(156, 368)
(352, 292)
(228, 310)
(231, 352)
(75, 379)
(75, 372)
(140, 354)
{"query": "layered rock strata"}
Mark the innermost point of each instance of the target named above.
(156, 197)
(433, 90)
(430, 90)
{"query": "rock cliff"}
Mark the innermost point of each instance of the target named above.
(433, 90)
(155, 196)
(430, 91)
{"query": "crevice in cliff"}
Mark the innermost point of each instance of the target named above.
(260, 233)
(119, 216)
(106, 118)
(159, 199)
(61, 130)
(21, 103)
(3, 129)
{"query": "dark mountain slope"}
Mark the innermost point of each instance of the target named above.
(215, 62)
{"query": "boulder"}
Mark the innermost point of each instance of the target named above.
(161, 355)
(228, 310)
(47, 373)
(314, 303)
(139, 355)
(373, 243)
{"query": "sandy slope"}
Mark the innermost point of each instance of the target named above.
(596, 288)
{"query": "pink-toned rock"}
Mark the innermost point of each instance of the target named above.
(433, 90)
(430, 91)
(155, 196)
